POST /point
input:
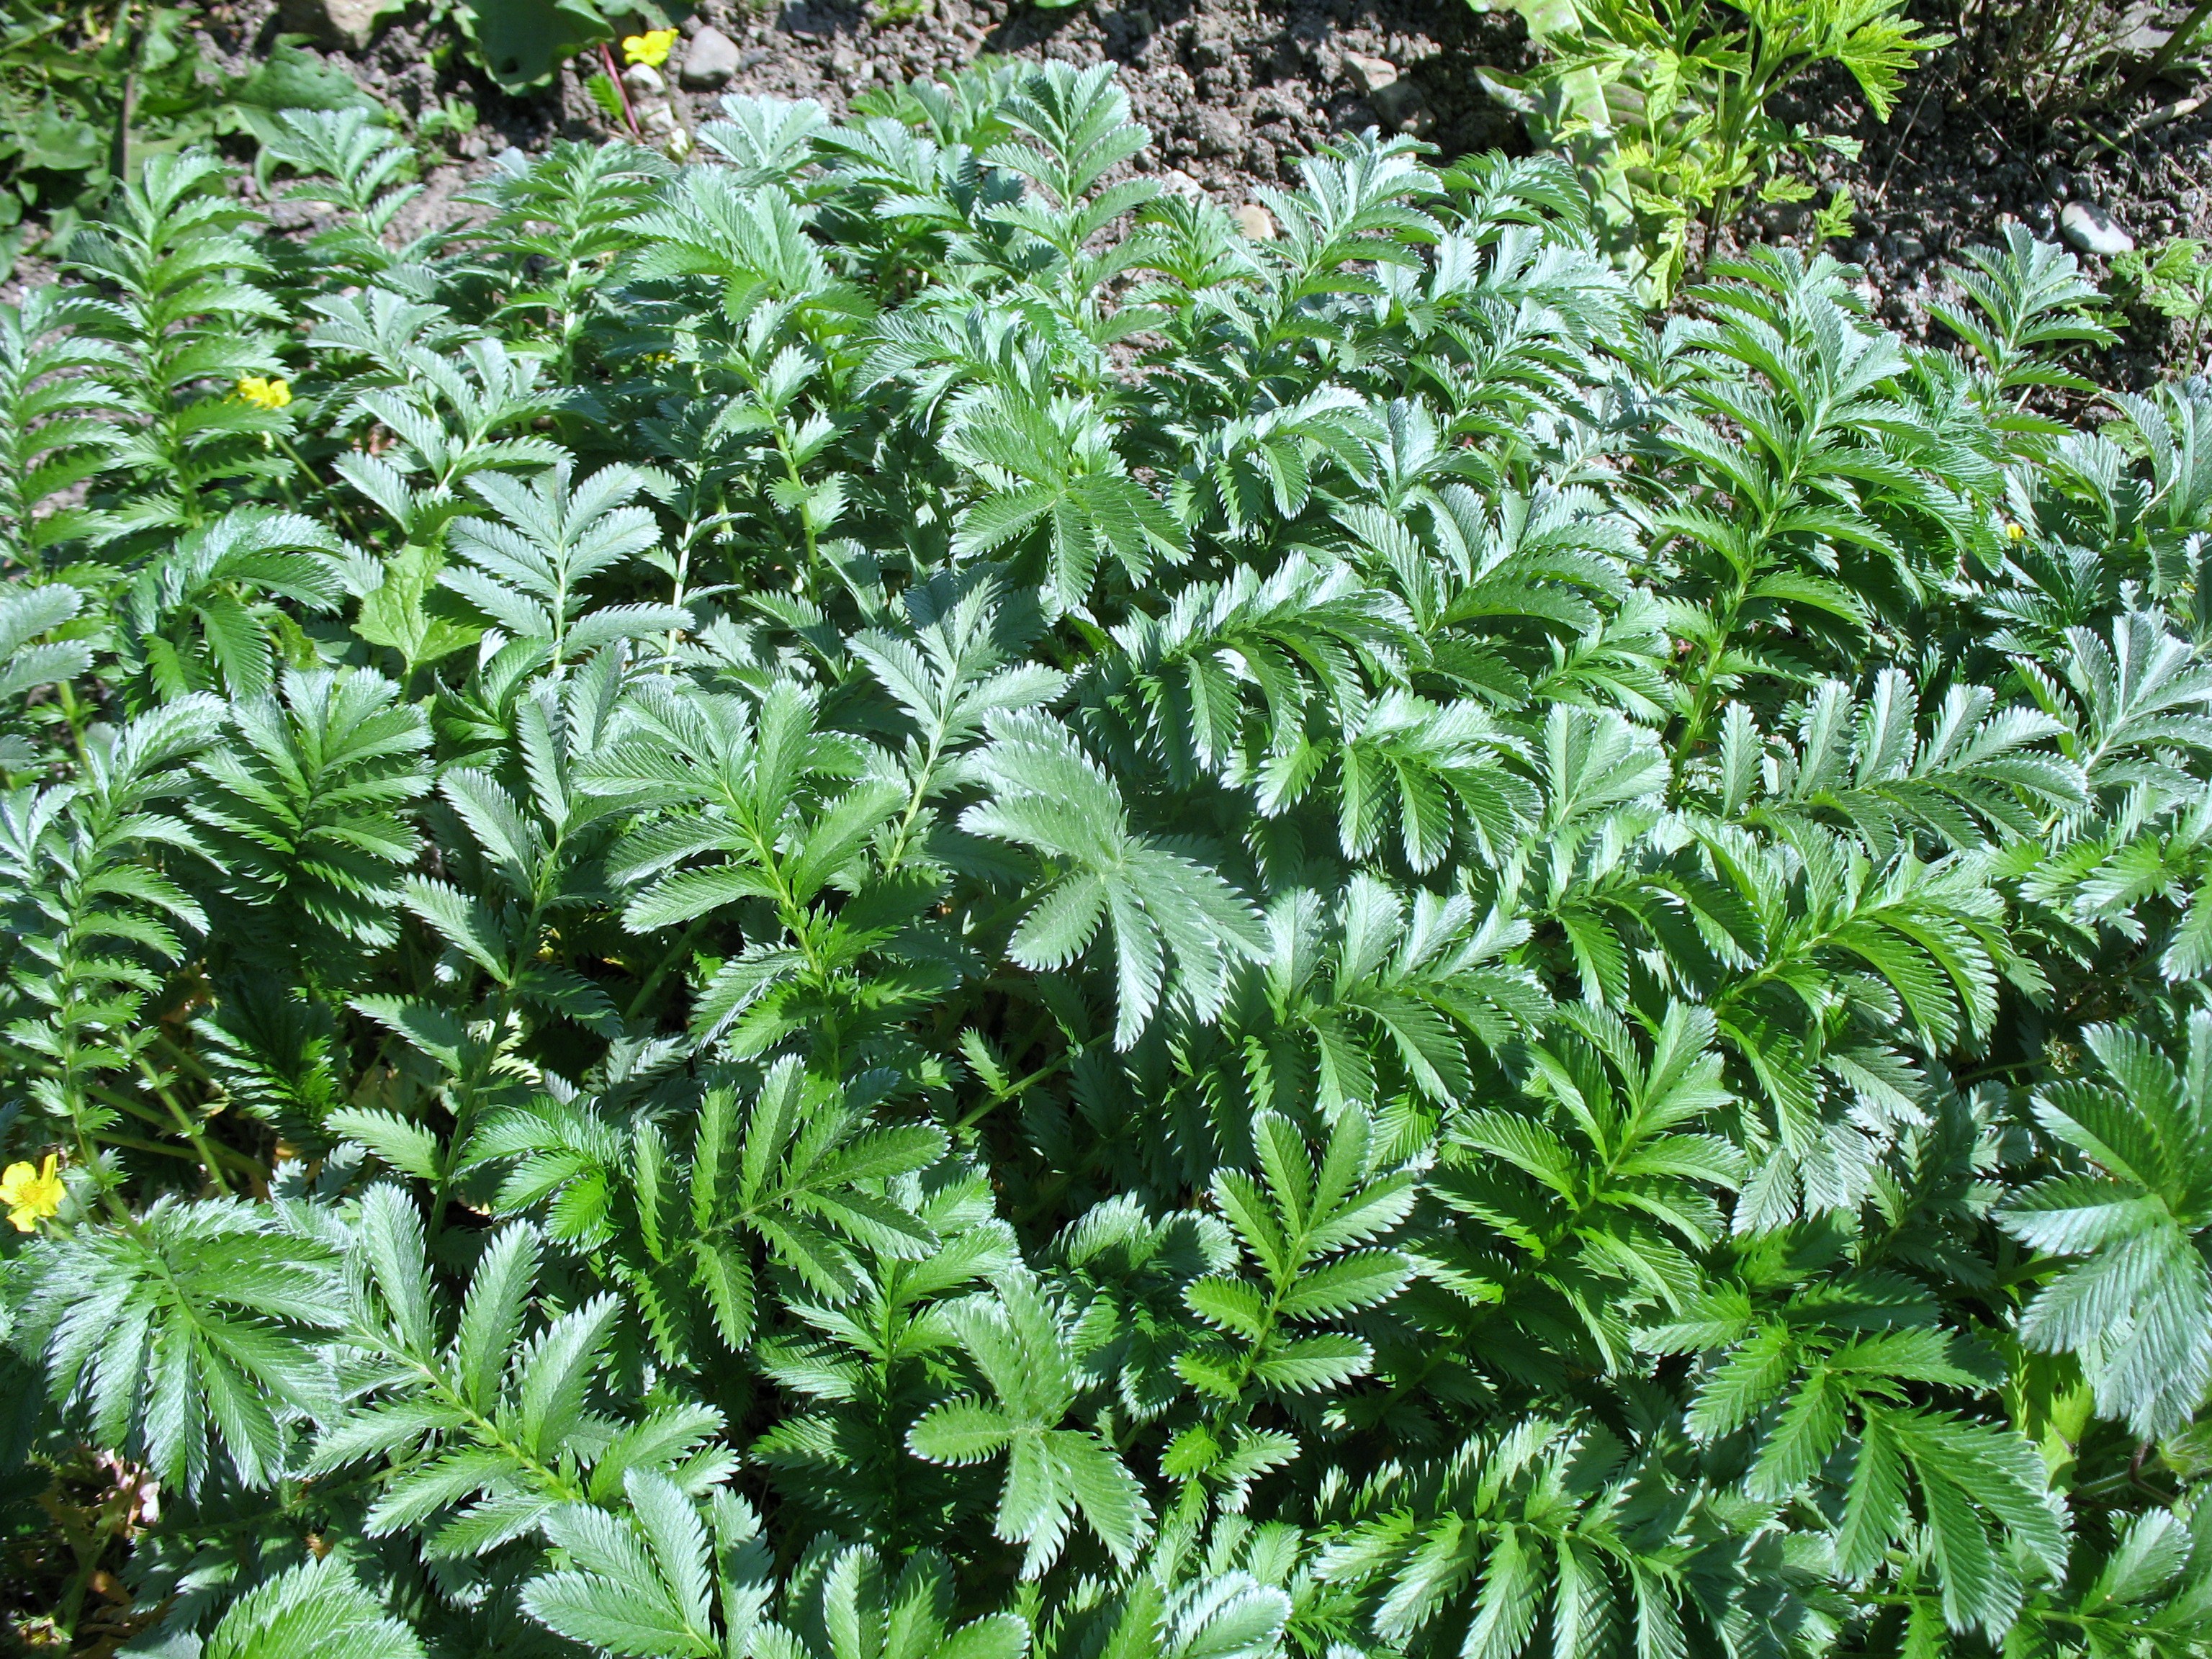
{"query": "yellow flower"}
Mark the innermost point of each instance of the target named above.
(263, 393)
(2016, 532)
(650, 48)
(31, 1195)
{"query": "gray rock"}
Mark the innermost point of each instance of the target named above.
(2090, 228)
(644, 80)
(1217, 132)
(1369, 75)
(1399, 104)
(2144, 40)
(1176, 182)
(343, 25)
(1210, 46)
(710, 60)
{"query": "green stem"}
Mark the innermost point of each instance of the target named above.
(1013, 1090)
(2176, 43)
(486, 1431)
(119, 151)
(336, 498)
(672, 956)
(186, 1125)
(465, 1097)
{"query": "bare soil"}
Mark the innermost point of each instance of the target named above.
(1233, 92)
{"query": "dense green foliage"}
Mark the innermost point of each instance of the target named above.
(88, 93)
(1665, 105)
(874, 900)
(2172, 282)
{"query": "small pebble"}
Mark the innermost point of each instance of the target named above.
(1369, 74)
(340, 25)
(1254, 222)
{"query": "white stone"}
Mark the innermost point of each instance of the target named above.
(2092, 229)
(346, 24)
(1254, 222)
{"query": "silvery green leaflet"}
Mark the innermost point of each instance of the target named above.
(874, 900)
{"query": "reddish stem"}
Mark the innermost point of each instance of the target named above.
(607, 53)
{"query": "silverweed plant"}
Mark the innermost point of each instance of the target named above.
(874, 900)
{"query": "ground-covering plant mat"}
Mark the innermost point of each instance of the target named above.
(889, 899)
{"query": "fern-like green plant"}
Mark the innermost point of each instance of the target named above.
(876, 899)
(2130, 1307)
